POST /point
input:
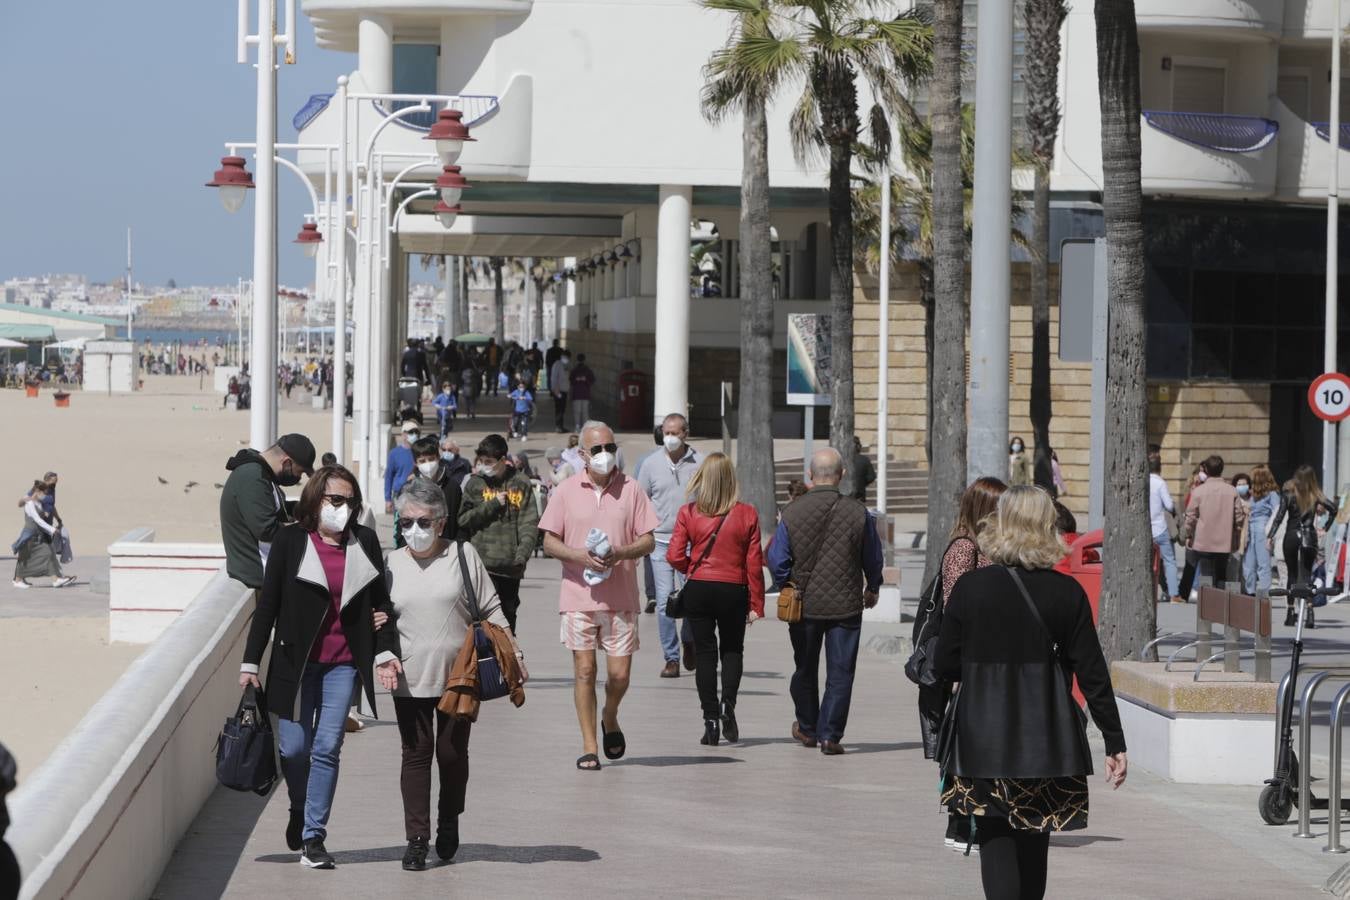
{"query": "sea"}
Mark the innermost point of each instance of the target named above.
(188, 336)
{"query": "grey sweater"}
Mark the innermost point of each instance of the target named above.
(432, 614)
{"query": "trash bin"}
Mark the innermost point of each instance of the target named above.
(1084, 565)
(633, 400)
(409, 393)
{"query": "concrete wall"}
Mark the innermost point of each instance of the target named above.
(150, 584)
(101, 817)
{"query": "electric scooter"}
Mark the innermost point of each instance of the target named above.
(1281, 791)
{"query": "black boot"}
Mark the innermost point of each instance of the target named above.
(710, 736)
(415, 857)
(1310, 620)
(447, 839)
(1289, 616)
(730, 729)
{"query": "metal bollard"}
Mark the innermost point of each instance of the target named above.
(1334, 781)
(1304, 762)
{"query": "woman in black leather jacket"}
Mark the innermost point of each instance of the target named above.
(1303, 505)
(1012, 635)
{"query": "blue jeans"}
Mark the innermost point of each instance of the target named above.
(667, 581)
(1168, 553)
(824, 717)
(310, 746)
(1256, 565)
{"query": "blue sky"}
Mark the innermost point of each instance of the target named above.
(116, 113)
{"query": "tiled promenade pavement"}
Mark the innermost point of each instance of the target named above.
(762, 818)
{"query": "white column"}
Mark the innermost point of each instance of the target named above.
(671, 382)
(451, 298)
(1330, 482)
(361, 359)
(337, 242)
(263, 412)
(990, 259)
(375, 53)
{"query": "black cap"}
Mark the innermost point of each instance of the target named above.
(299, 449)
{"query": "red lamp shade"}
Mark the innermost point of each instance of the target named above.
(233, 181)
(452, 184)
(310, 239)
(449, 133)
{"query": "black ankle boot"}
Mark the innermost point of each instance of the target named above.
(710, 735)
(1288, 617)
(1310, 620)
(730, 729)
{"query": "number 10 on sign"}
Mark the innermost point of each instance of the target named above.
(1329, 397)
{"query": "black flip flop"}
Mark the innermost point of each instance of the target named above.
(613, 742)
(588, 758)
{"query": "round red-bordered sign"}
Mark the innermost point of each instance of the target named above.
(1329, 397)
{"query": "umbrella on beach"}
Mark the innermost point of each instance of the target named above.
(473, 337)
(7, 344)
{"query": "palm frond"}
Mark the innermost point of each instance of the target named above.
(804, 127)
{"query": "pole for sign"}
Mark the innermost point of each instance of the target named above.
(808, 434)
(1329, 475)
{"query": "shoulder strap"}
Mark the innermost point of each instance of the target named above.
(820, 542)
(1035, 613)
(708, 548)
(474, 614)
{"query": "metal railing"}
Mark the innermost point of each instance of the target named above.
(1305, 742)
(476, 108)
(1323, 130)
(1215, 131)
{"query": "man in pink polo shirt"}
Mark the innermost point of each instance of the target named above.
(599, 612)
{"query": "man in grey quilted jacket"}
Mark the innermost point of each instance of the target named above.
(827, 546)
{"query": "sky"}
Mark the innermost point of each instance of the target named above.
(116, 115)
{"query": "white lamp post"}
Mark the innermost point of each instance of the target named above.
(1330, 479)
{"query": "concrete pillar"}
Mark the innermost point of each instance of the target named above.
(671, 382)
(451, 297)
(375, 53)
(991, 250)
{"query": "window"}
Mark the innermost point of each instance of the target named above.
(1199, 87)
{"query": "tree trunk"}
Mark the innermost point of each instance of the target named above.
(841, 302)
(1128, 617)
(1040, 330)
(947, 420)
(926, 299)
(498, 301)
(538, 333)
(754, 416)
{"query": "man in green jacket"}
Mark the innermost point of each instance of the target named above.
(252, 505)
(498, 516)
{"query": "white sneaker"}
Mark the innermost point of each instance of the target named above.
(21, 584)
(64, 582)
(949, 843)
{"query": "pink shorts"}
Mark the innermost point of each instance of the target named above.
(617, 632)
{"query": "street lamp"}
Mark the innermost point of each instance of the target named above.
(452, 184)
(446, 213)
(449, 133)
(233, 181)
(310, 239)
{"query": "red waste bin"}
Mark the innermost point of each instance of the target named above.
(1084, 565)
(633, 400)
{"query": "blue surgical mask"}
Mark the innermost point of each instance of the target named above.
(1242, 490)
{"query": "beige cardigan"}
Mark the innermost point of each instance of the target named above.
(1214, 517)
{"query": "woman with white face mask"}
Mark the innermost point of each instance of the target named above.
(431, 612)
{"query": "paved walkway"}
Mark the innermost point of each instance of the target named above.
(762, 818)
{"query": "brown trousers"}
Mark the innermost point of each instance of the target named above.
(450, 746)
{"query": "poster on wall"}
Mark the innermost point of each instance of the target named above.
(808, 359)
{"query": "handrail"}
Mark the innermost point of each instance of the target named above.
(1323, 130)
(1304, 751)
(1163, 637)
(1215, 131)
(1213, 657)
(1186, 646)
(1334, 781)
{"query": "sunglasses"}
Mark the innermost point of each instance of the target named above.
(425, 523)
(608, 448)
(337, 501)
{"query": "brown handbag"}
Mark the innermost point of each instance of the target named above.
(790, 596)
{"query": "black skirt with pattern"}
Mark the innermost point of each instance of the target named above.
(1029, 804)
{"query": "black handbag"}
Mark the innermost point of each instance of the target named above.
(674, 600)
(919, 668)
(245, 755)
(491, 682)
(946, 735)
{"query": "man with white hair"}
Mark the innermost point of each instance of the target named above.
(598, 600)
(827, 546)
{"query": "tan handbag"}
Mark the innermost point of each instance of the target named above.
(789, 604)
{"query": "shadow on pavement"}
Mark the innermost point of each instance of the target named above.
(661, 761)
(882, 748)
(467, 853)
(1081, 840)
(209, 854)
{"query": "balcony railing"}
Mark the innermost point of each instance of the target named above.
(1215, 131)
(1323, 130)
(475, 107)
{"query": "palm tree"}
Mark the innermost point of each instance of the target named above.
(498, 298)
(838, 41)
(1042, 20)
(947, 399)
(741, 77)
(1128, 619)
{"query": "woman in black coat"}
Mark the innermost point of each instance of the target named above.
(323, 588)
(1020, 762)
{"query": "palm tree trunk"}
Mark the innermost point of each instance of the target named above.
(841, 307)
(947, 418)
(926, 299)
(1040, 329)
(498, 301)
(1128, 618)
(754, 434)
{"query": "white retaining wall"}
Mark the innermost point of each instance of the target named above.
(150, 584)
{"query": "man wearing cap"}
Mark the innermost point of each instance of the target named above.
(252, 505)
(401, 463)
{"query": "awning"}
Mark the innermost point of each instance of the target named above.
(7, 344)
(27, 333)
(72, 344)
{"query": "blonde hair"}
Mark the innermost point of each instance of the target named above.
(713, 486)
(1022, 531)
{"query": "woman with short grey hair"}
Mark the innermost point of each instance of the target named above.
(430, 592)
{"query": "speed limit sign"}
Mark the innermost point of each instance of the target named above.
(1329, 397)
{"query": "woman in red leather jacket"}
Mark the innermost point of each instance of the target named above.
(716, 544)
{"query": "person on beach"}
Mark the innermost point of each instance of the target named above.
(325, 582)
(716, 544)
(498, 515)
(1012, 634)
(252, 505)
(597, 524)
(429, 590)
(35, 555)
(827, 546)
